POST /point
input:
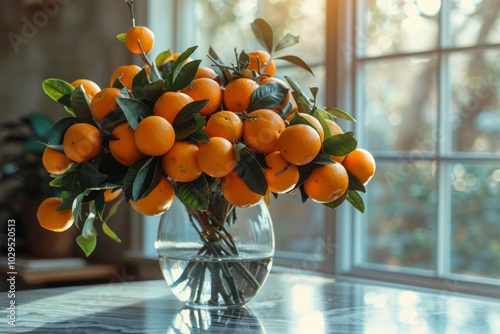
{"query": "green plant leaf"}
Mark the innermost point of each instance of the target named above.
(340, 114)
(268, 96)
(56, 183)
(87, 244)
(286, 41)
(264, 34)
(249, 169)
(128, 180)
(140, 80)
(88, 226)
(140, 185)
(340, 145)
(58, 90)
(188, 120)
(41, 124)
(296, 61)
(154, 90)
(134, 110)
(185, 75)
(121, 37)
(162, 57)
(110, 233)
(355, 184)
(153, 177)
(114, 209)
(100, 204)
(322, 121)
(195, 193)
(337, 202)
(299, 96)
(89, 176)
(356, 200)
(304, 172)
(176, 67)
(80, 104)
(57, 131)
(322, 159)
(118, 83)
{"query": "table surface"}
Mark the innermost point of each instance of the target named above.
(288, 303)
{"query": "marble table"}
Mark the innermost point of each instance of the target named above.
(288, 303)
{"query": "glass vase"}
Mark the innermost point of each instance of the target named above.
(218, 258)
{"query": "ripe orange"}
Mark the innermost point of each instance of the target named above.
(124, 149)
(361, 164)
(82, 142)
(111, 194)
(281, 176)
(52, 219)
(91, 88)
(225, 124)
(205, 72)
(205, 88)
(169, 105)
(104, 102)
(238, 94)
(54, 161)
(314, 122)
(154, 136)
(262, 134)
(335, 129)
(236, 192)
(139, 33)
(126, 73)
(180, 164)
(216, 158)
(259, 59)
(299, 144)
(157, 201)
(267, 79)
(327, 183)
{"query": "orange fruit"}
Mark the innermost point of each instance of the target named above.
(262, 133)
(82, 142)
(104, 102)
(126, 73)
(205, 88)
(267, 79)
(142, 34)
(52, 219)
(326, 183)
(225, 124)
(111, 194)
(154, 136)
(216, 158)
(205, 72)
(238, 94)
(54, 161)
(157, 201)
(259, 59)
(361, 164)
(335, 129)
(123, 149)
(299, 144)
(180, 164)
(91, 88)
(169, 104)
(314, 122)
(281, 176)
(236, 192)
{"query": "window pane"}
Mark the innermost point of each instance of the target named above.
(401, 213)
(475, 219)
(400, 104)
(396, 26)
(475, 22)
(476, 101)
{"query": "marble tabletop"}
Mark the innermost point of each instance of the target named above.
(288, 303)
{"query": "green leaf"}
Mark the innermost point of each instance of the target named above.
(118, 84)
(356, 200)
(58, 90)
(268, 96)
(194, 194)
(322, 159)
(199, 135)
(153, 177)
(162, 57)
(128, 180)
(185, 75)
(249, 169)
(114, 209)
(355, 184)
(340, 114)
(323, 123)
(299, 96)
(337, 202)
(176, 67)
(57, 131)
(188, 120)
(264, 34)
(286, 41)
(304, 172)
(80, 104)
(56, 183)
(41, 124)
(134, 110)
(87, 244)
(140, 80)
(88, 226)
(100, 204)
(89, 176)
(121, 37)
(140, 185)
(340, 145)
(154, 90)
(296, 61)
(109, 232)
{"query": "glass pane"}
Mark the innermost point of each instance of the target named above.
(475, 235)
(475, 22)
(475, 116)
(400, 108)
(401, 214)
(397, 26)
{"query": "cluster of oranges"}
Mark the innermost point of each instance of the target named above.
(283, 137)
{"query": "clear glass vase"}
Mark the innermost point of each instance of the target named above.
(218, 258)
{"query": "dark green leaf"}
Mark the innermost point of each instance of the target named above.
(118, 84)
(121, 37)
(176, 67)
(340, 145)
(186, 123)
(88, 226)
(100, 204)
(304, 172)
(337, 202)
(249, 169)
(56, 134)
(322, 159)
(139, 185)
(80, 105)
(56, 183)
(299, 96)
(356, 200)
(355, 184)
(87, 244)
(340, 114)
(109, 232)
(268, 96)
(264, 34)
(58, 90)
(154, 90)
(129, 179)
(185, 75)
(140, 80)
(195, 193)
(199, 135)
(133, 110)
(296, 61)
(89, 176)
(286, 41)
(153, 177)
(40, 124)
(324, 125)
